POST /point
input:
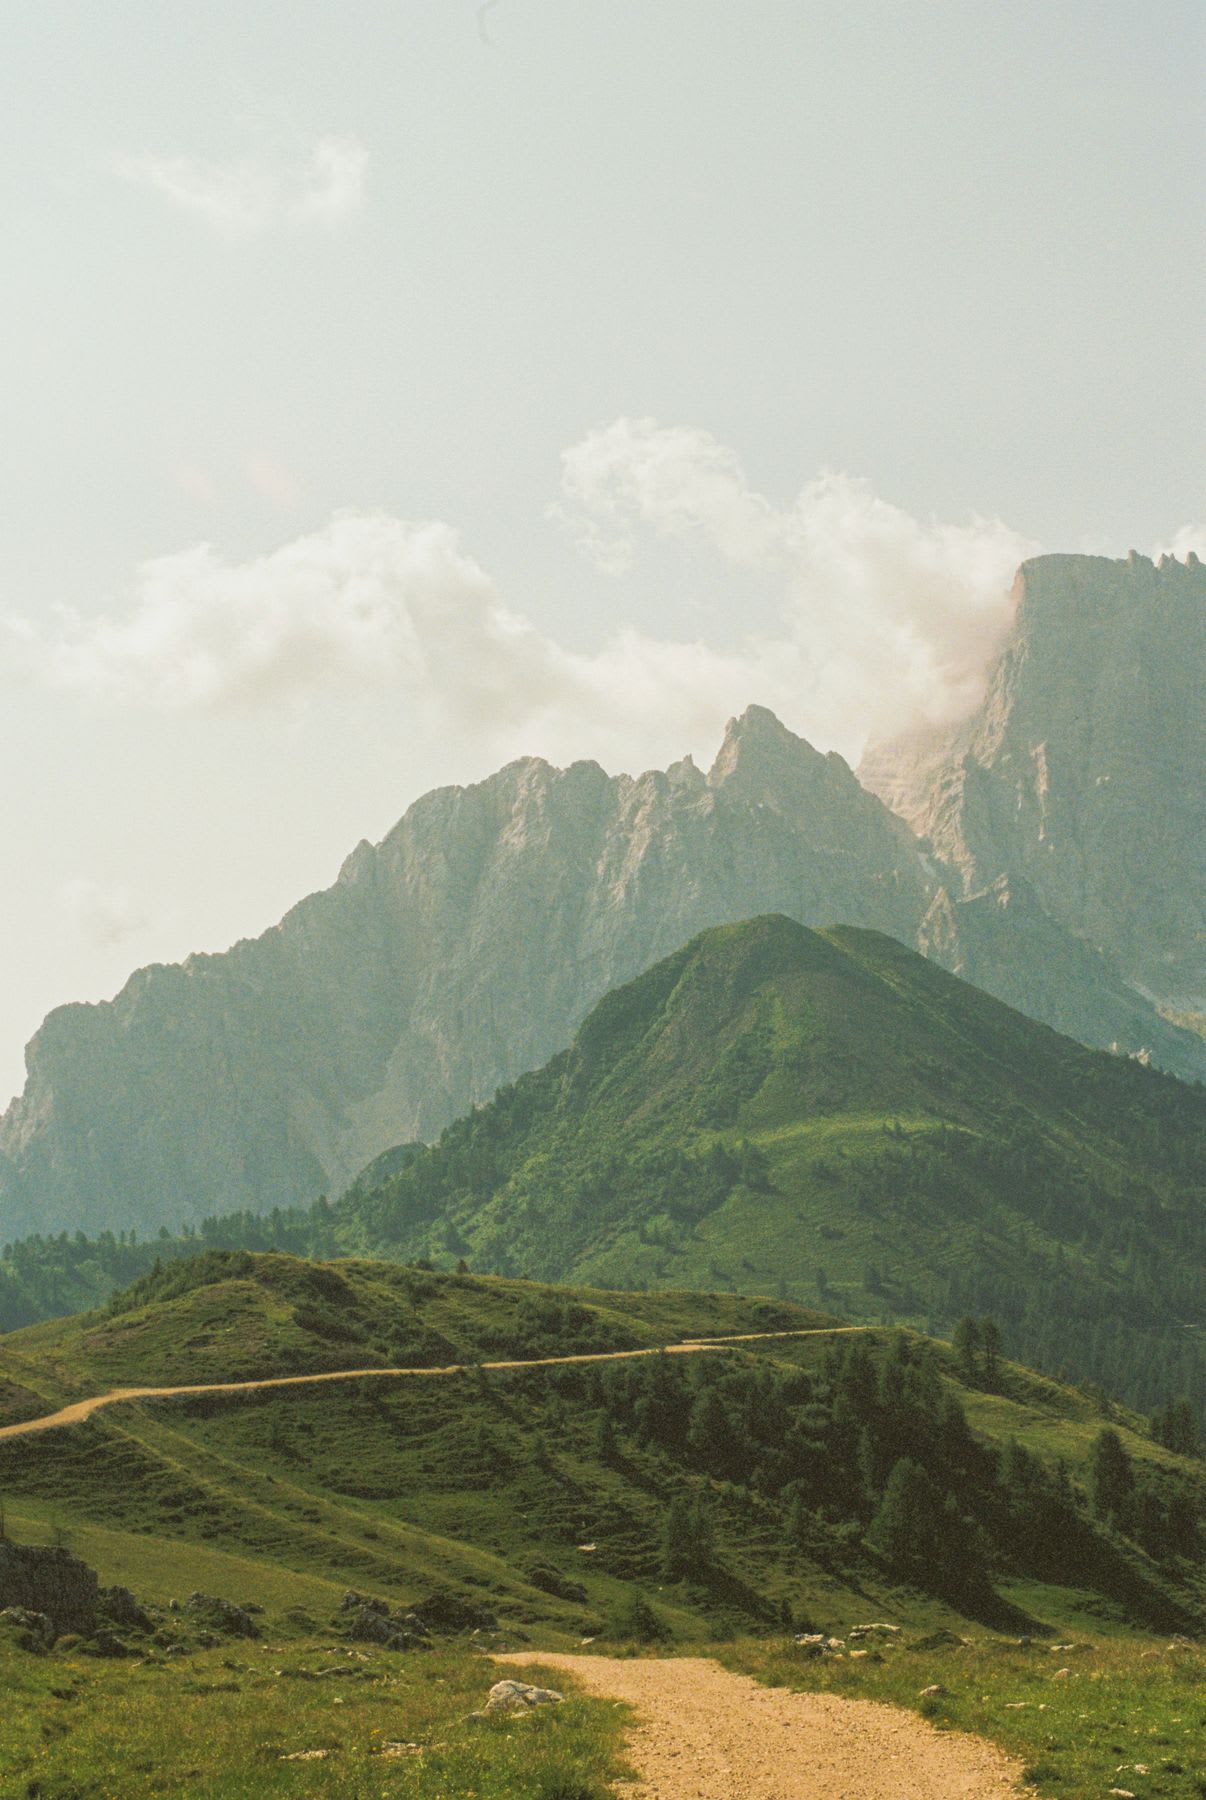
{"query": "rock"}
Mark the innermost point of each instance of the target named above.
(446, 1611)
(222, 1616)
(371, 1627)
(1082, 775)
(304, 1756)
(50, 1581)
(932, 1692)
(1060, 1674)
(121, 1608)
(856, 1632)
(33, 1631)
(815, 1643)
(355, 1602)
(105, 1643)
(938, 1640)
(517, 1696)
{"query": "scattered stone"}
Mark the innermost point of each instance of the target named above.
(446, 1611)
(395, 1748)
(356, 1602)
(304, 1756)
(33, 1631)
(221, 1616)
(121, 1608)
(517, 1697)
(856, 1632)
(105, 1643)
(815, 1643)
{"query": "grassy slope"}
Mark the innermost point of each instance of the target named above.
(217, 1725)
(284, 1499)
(449, 1479)
(910, 1126)
(236, 1318)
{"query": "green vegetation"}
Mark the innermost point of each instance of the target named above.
(648, 1502)
(1084, 1718)
(737, 1480)
(232, 1723)
(825, 1116)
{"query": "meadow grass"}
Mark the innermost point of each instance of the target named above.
(223, 1724)
(1128, 1713)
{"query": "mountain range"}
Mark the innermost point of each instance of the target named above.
(468, 946)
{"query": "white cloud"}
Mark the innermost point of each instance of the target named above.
(884, 620)
(250, 195)
(103, 914)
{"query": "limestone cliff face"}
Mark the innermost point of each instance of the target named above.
(464, 950)
(1083, 775)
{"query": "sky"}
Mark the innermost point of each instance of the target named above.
(392, 388)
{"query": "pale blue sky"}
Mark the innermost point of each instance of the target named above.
(266, 263)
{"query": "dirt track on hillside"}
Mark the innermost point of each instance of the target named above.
(79, 1410)
(703, 1733)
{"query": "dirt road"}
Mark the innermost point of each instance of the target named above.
(79, 1410)
(703, 1733)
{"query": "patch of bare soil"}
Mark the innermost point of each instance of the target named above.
(703, 1733)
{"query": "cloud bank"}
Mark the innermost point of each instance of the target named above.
(884, 621)
(246, 197)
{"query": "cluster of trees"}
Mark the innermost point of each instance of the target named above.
(873, 1452)
(1160, 1509)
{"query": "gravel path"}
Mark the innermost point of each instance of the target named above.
(79, 1410)
(704, 1733)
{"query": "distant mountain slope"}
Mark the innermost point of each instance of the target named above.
(1083, 774)
(465, 949)
(829, 1114)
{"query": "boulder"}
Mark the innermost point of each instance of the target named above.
(105, 1643)
(368, 1626)
(49, 1580)
(222, 1616)
(446, 1611)
(517, 1696)
(33, 1631)
(121, 1608)
(357, 1602)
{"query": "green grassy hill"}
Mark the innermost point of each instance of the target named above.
(830, 1117)
(686, 1499)
(491, 1480)
(823, 1116)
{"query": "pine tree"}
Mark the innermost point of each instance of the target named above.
(1111, 1479)
(990, 1344)
(908, 1518)
(966, 1345)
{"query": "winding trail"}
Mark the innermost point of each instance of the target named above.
(704, 1733)
(79, 1410)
